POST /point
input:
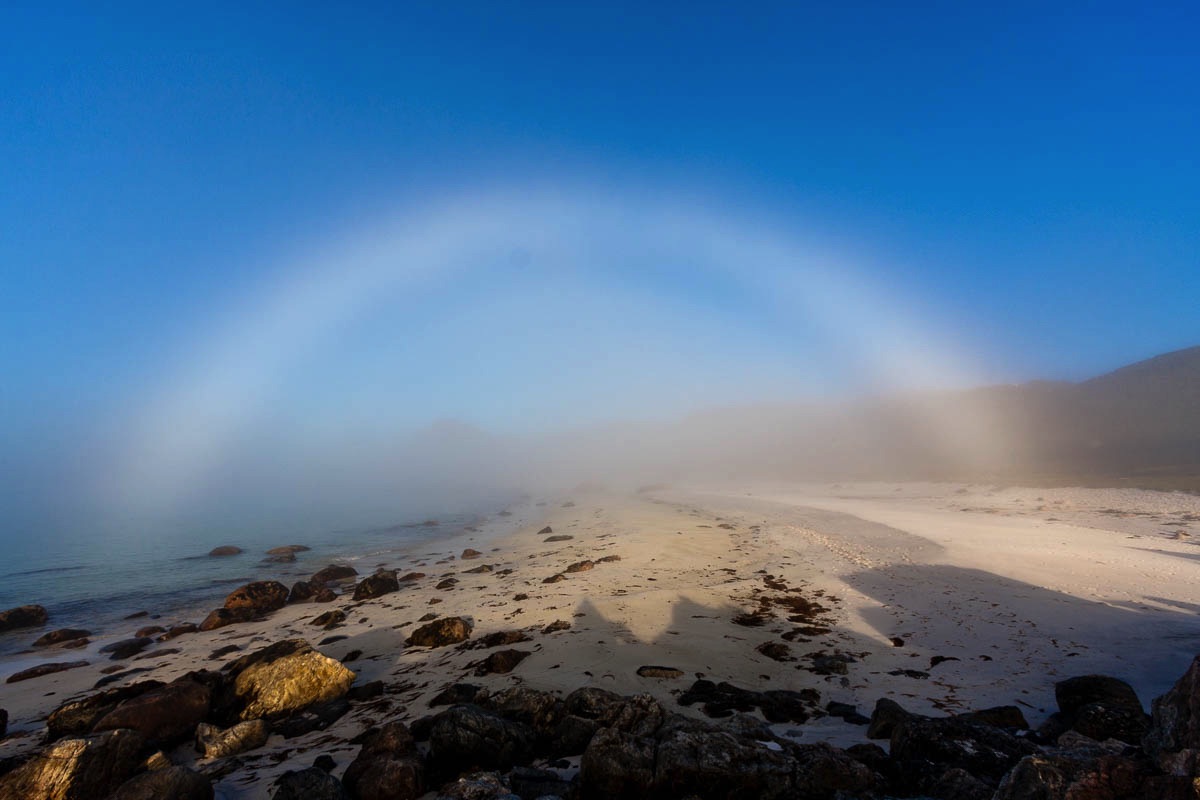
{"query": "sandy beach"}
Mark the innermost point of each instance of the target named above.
(945, 598)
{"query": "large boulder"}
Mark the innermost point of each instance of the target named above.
(1173, 738)
(639, 714)
(22, 617)
(388, 766)
(924, 748)
(77, 769)
(1098, 706)
(376, 585)
(694, 760)
(176, 783)
(823, 771)
(313, 783)
(286, 677)
(617, 764)
(466, 737)
(215, 742)
(162, 715)
(260, 597)
(441, 632)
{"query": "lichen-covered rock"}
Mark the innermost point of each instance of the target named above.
(77, 769)
(176, 783)
(215, 742)
(286, 677)
(22, 617)
(387, 767)
(441, 632)
(165, 714)
(376, 585)
(257, 598)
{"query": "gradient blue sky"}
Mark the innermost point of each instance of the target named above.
(1030, 173)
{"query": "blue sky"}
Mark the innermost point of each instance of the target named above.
(1028, 175)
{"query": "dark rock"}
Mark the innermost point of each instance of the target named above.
(467, 737)
(925, 746)
(617, 764)
(777, 705)
(149, 630)
(284, 678)
(317, 717)
(478, 786)
(480, 570)
(215, 742)
(332, 573)
(556, 626)
(127, 647)
(119, 676)
(470, 553)
(411, 576)
(1173, 738)
(176, 783)
(716, 764)
(279, 558)
(223, 651)
(79, 717)
(824, 772)
(220, 617)
(831, 664)
(325, 762)
(456, 694)
(3, 723)
(579, 566)
(76, 769)
(1075, 693)
(650, 671)
(846, 712)
(545, 531)
(387, 767)
(376, 585)
(440, 632)
(501, 662)
(225, 550)
(162, 715)
(42, 670)
(309, 784)
(448, 583)
(329, 619)
(534, 783)
(1100, 722)
(427, 617)
(367, 691)
(302, 592)
(560, 537)
(608, 559)
(258, 598)
(885, 718)
(288, 548)
(958, 784)
(559, 578)
(519, 596)
(325, 595)
(1009, 717)
(22, 617)
(777, 651)
(639, 714)
(61, 635)
(498, 639)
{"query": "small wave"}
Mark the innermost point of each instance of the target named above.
(45, 571)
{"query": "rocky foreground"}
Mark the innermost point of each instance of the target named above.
(545, 664)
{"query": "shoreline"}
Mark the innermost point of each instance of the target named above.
(824, 580)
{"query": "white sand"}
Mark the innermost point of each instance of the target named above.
(1023, 587)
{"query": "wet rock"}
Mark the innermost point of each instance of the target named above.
(176, 783)
(376, 585)
(309, 784)
(149, 631)
(22, 617)
(79, 717)
(325, 595)
(175, 631)
(127, 647)
(579, 566)
(387, 767)
(258, 598)
(225, 550)
(162, 715)
(286, 677)
(288, 548)
(329, 619)
(556, 626)
(76, 769)
(467, 737)
(559, 537)
(215, 742)
(559, 578)
(42, 670)
(332, 573)
(501, 662)
(470, 553)
(440, 632)
(61, 635)
(650, 671)
(279, 558)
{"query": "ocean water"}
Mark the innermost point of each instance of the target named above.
(95, 580)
